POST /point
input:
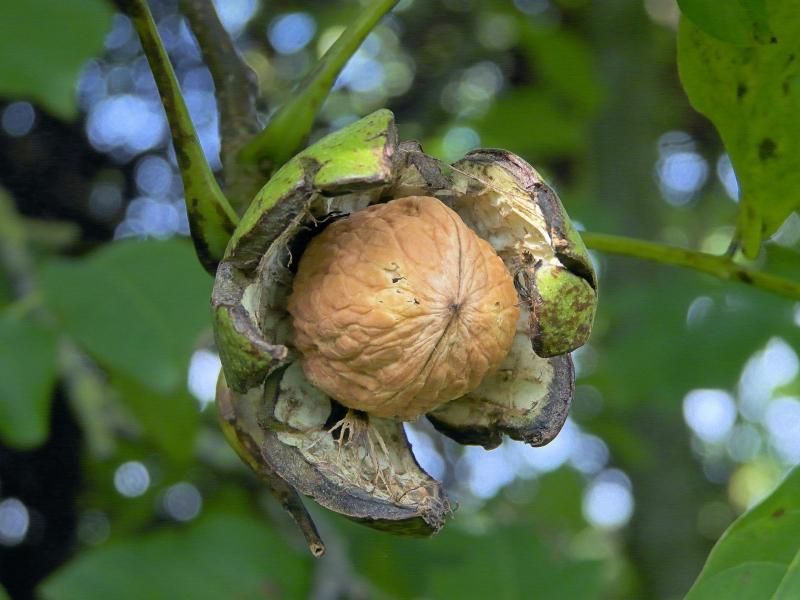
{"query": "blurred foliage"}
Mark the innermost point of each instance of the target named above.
(46, 73)
(157, 287)
(223, 556)
(97, 334)
(27, 375)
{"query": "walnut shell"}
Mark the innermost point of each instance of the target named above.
(400, 308)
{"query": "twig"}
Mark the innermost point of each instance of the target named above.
(236, 421)
(236, 93)
(211, 217)
(287, 130)
(718, 266)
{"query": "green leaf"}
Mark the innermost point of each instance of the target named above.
(509, 562)
(137, 307)
(752, 95)
(27, 376)
(170, 420)
(222, 556)
(736, 21)
(43, 45)
(758, 557)
(3, 594)
(287, 130)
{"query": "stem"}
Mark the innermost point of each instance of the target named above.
(211, 217)
(290, 126)
(718, 266)
(238, 423)
(236, 93)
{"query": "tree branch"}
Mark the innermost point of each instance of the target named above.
(290, 126)
(236, 93)
(211, 217)
(718, 266)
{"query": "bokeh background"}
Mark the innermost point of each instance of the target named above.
(115, 481)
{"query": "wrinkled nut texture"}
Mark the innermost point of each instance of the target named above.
(400, 307)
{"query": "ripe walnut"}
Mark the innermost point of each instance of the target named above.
(370, 345)
(400, 308)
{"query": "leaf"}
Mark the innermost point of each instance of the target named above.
(758, 556)
(27, 376)
(752, 95)
(170, 420)
(286, 131)
(509, 562)
(137, 307)
(43, 66)
(735, 21)
(221, 556)
(3, 594)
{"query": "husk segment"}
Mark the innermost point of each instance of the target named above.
(369, 474)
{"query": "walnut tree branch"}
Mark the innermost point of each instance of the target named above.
(718, 266)
(211, 217)
(236, 93)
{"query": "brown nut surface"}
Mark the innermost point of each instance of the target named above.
(400, 308)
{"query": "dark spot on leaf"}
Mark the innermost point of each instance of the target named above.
(778, 513)
(741, 90)
(744, 277)
(766, 149)
(773, 40)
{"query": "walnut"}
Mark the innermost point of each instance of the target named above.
(400, 308)
(368, 274)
